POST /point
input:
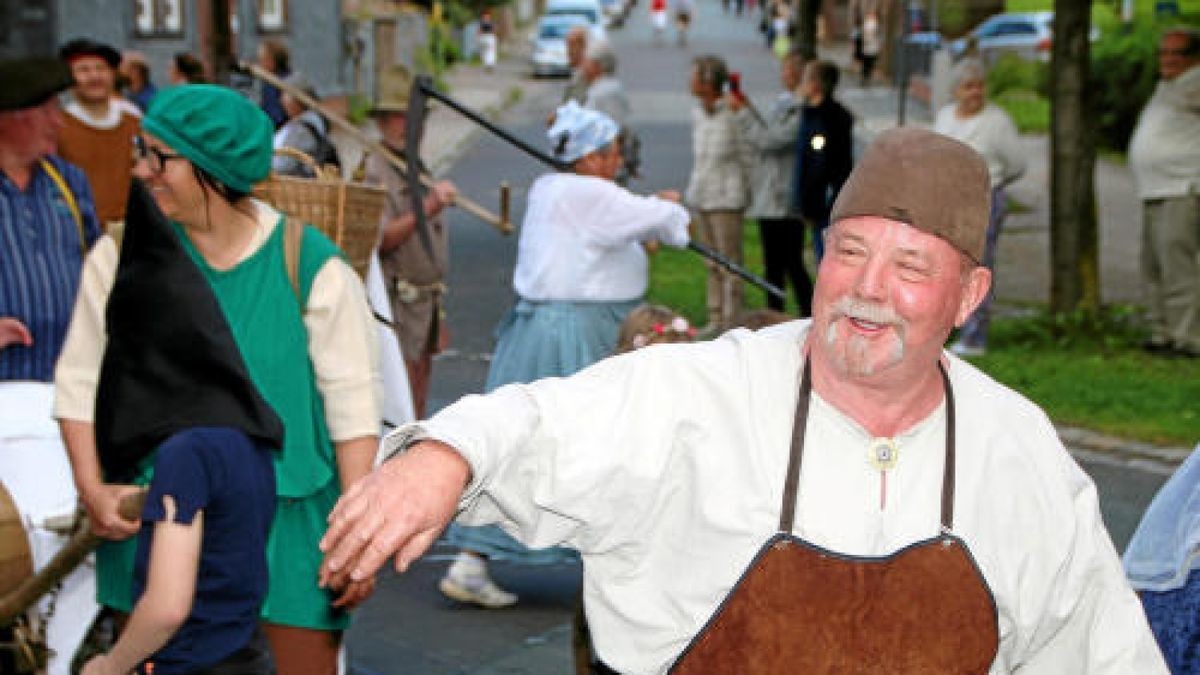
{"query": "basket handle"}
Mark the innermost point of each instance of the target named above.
(305, 159)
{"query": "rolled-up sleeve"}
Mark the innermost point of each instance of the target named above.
(77, 373)
(344, 348)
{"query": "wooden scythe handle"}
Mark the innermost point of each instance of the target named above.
(67, 559)
(462, 202)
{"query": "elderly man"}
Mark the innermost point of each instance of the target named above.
(780, 228)
(606, 94)
(888, 507)
(413, 255)
(99, 126)
(1165, 156)
(47, 224)
(577, 42)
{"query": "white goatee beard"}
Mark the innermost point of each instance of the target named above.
(855, 358)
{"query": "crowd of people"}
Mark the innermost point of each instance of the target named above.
(165, 335)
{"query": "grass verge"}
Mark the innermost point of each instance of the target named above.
(1084, 371)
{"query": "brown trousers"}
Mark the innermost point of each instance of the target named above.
(722, 230)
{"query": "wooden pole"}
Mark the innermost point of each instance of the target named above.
(21, 598)
(462, 202)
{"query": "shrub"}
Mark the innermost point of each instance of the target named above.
(1013, 72)
(1124, 70)
(1028, 110)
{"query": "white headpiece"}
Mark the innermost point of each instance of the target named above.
(585, 131)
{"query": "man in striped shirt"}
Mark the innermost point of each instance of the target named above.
(47, 224)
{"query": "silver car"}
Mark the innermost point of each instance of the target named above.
(549, 54)
(1027, 34)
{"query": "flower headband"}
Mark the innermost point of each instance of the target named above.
(678, 326)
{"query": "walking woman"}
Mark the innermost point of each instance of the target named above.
(990, 132)
(580, 269)
(203, 319)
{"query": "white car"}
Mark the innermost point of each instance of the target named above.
(591, 10)
(549, 54)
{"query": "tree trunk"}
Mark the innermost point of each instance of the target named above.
(1074, 240)
(805, 13)
(221, 56)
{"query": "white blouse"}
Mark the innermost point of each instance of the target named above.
(581, 239)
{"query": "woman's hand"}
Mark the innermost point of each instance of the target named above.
(354, 593)
(13, 332)
(103, 504)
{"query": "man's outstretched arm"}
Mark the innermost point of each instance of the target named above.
(399, 508)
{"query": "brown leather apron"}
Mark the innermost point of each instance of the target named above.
(800, 608)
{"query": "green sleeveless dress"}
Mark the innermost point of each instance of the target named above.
(265, 316)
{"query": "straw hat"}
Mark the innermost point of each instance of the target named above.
(392, 94)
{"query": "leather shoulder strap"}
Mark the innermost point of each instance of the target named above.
(293, 233)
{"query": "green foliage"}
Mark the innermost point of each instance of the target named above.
(1011, 72)
(1020, 87)
(1124, 70)
(359, 108)
(1086, 369)
(1029, 111)
(678, 279)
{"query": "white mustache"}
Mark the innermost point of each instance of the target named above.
(865, 311)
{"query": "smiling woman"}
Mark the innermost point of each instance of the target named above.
(234, 356)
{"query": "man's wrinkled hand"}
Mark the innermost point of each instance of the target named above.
(398, 509)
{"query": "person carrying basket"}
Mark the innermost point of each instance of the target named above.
(193, 324)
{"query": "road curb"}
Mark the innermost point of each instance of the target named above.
(1077, 437)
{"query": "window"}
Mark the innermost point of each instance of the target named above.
(158, 17)
(272, 16)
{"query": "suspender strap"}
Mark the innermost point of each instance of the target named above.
(70, 199)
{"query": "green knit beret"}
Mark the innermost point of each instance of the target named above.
(217, 129)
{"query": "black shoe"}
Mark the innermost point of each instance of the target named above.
(1157, 347)
(1184, 353)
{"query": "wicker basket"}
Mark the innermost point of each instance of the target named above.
(347, 213)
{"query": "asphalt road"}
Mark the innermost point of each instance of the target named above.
(408, 627)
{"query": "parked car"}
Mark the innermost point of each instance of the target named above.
(589, 9)
(1027, 34)
(549, 41)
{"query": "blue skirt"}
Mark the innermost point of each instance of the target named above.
(533, 341)
(554, 339)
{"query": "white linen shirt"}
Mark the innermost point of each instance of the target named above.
(665, 467)
(1164, 152)
(992, 134)
(580, 240)
(337, 318)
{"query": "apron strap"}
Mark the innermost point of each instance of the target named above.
(948, 471)
(799, 427)
(796, 456)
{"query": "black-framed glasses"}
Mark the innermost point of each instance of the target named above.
(157, 159)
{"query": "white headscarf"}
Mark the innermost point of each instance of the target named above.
(585, 130)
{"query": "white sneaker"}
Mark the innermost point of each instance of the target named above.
(965, 350)
(474, 586)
